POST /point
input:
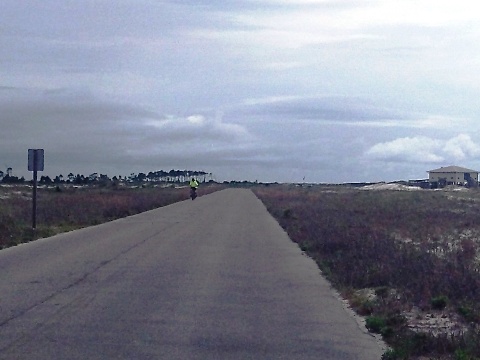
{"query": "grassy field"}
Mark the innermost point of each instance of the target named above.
(406, 260)
(66, 208)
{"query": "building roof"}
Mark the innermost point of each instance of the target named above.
(453, 169)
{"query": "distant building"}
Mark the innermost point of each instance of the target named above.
(452, 175)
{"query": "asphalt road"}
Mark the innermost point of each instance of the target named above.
(214, 278)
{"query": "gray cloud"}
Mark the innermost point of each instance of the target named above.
(81, 132)
(334, 108)
(259, 89)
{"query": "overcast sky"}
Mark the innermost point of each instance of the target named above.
(269, 90)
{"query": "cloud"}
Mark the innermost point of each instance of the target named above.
(296, 24)
(416, 149)
(281, 66)
(329, 87)
(284, 29)
(422, 149)
(351, 111)
(196, 128)
(462, 147)
(78, 130)
(341, 109)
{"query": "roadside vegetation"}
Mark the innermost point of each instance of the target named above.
(408, 261)
(67, 207)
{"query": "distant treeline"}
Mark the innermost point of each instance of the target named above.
(173, 176)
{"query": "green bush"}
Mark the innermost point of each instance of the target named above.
(375, 324)
(461, 354)
(469, 313)
(392, 354)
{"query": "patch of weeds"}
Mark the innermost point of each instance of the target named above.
(349, 234)
(28, 234)
(382, 291)
(68, 208)
(306, 246)
(409, 344)
(381, 325)
(364, 307)
(439, 302)
(393, 354)
(361, 301)
(468, 313)
(287, 214)
(469, 345)
(387, 332)
(375, 324)
(9, 230)
(396, 320)
(325, 269)
(462, 355)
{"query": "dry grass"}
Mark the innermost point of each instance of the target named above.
(68, 208)
(406, 260)
(415, 253)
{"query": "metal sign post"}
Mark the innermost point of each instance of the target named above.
(35, 164)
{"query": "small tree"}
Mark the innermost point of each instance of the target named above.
(45, 180)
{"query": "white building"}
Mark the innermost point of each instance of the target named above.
(453, 175)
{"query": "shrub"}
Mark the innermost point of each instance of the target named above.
(469, 312)
(287, 213)
(392, 354)
(462, 355)
(375, 324)
(439, 302)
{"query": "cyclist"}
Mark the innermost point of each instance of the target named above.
(193, 188)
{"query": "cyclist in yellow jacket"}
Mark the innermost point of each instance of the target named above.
(193, 188)
(193, 183)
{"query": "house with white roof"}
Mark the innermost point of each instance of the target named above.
(453, 175)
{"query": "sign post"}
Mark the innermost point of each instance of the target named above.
(35, 164)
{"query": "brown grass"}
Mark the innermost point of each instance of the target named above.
(414, 250)
(68, 208)
(390, 253)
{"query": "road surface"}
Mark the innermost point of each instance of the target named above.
(214, 278)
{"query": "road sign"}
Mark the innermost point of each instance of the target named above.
(35, 159)
(35, 163)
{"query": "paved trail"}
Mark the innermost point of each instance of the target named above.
(214, 278)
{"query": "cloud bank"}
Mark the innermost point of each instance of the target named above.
(426, 150)
(321, 90)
